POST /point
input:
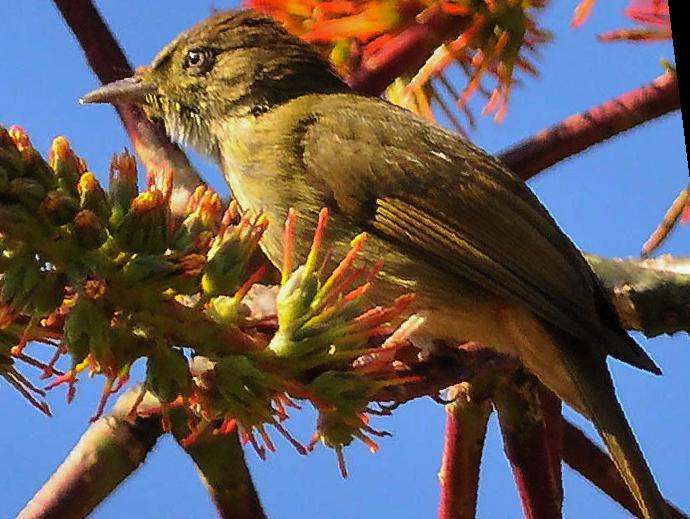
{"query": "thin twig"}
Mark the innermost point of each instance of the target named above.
(109, 63)
(581, 131)
(670, 220)
(589, 460)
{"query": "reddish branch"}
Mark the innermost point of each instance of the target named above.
(115, 446)
(109, 63)
(593, 463)
(553, 421)
(526, 443)
(466, 422)
(580, 131)
(109, 451)
(221, 463)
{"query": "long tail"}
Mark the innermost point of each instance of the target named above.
(593, 380)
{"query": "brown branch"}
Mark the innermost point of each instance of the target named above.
(220, 460)
(581, 131)
(526, 443)
(446, 366)
(593, 463)
(466, 421)
(109, 63)
(109, 451)
(649, 295)
(407, 51)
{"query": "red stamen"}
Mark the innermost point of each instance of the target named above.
(341, 461)
(253, 279)
(301, 449)
(105, 394)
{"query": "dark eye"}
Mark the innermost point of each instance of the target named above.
(198, 61)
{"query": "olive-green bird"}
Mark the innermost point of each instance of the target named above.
(452, 224)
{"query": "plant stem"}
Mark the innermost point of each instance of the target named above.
(583, 130)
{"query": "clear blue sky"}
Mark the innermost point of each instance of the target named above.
(607, 200)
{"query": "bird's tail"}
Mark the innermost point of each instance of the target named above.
(595, 387)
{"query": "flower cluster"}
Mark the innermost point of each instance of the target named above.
(107, 277)
(484, 38)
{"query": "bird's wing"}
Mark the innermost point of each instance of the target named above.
(450, 203)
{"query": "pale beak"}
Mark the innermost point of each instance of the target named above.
(131, 89)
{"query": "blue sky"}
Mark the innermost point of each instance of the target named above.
(607, 199)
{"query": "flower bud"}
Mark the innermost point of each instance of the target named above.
(48, 294)
(59, 207)
(122, 184)
(167, 374)
(244, 389)
(147, 267)
(19, 137)
(66, 165)
(93, 197)
(27, 191)
(37, 168)
(226, 310)
(225, 269)
(88, 231)
(86, 329)
(146, 226)
(19, 280)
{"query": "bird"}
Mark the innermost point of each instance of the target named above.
(485, 259)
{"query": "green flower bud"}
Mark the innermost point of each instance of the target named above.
(88, 231)
(122, 185)
(202, 215)
(245, 390)
(48, 294)
(148, 268)
(27, 191)
(66, 165)
(59, 207)
(225, 269)
(37, 168)
(167, 375)
(226, 310)
(342, 418)
(86, 330)
(19, 280)
(146, 226)
(93, 197)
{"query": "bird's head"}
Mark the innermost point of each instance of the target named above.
(233, 64)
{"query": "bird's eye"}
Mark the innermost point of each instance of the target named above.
(198, 61)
